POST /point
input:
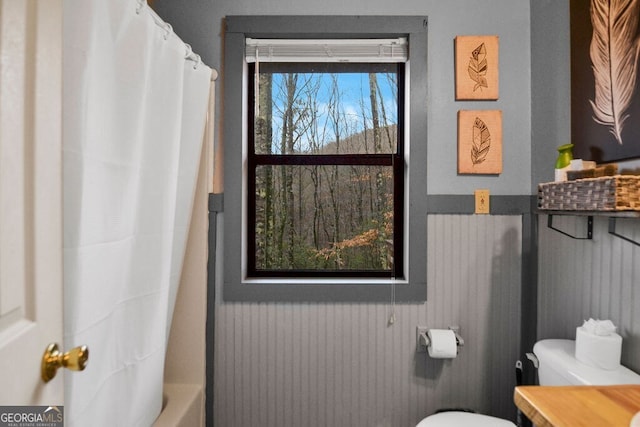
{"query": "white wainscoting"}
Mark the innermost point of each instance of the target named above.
(293, 364)
(582, 279)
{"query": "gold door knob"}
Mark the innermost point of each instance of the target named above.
(52, 359)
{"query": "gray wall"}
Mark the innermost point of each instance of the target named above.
(550, 86)
(578, 279)
(340, 364)
(199, 23)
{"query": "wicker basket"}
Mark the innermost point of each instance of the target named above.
(607, 193)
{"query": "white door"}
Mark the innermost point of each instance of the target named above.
(30, 198)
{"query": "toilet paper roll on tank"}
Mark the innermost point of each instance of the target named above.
(598, 344)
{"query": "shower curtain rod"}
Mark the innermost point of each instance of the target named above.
(189, 55)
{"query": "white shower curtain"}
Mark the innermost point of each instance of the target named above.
(134, 116)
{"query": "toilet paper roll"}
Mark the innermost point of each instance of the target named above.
(442, 344)
(600, 351)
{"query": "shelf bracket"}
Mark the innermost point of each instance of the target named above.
(612, 231)
(589, 228)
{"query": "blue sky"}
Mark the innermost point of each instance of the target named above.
(354, 99)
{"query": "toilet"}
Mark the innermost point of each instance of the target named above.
(463, 419)
(557, 365)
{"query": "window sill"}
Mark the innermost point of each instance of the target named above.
(325, 281)
(316, 290)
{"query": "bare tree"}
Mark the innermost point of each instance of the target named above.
(340, 214)
(264, 179)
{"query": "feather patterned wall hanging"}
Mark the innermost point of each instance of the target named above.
(614, 57)
(605, 80)
(479, 141)
(476, 67)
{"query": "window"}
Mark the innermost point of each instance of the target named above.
(317, 149)
(325, 158)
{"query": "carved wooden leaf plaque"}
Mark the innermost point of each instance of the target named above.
(480, 141)
(476, 67)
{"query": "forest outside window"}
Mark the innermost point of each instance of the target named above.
(326, 159)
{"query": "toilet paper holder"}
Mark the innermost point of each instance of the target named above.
(422, 339)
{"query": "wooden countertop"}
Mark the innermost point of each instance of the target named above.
(576, 406)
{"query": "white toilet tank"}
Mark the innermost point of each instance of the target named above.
(558, 366)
